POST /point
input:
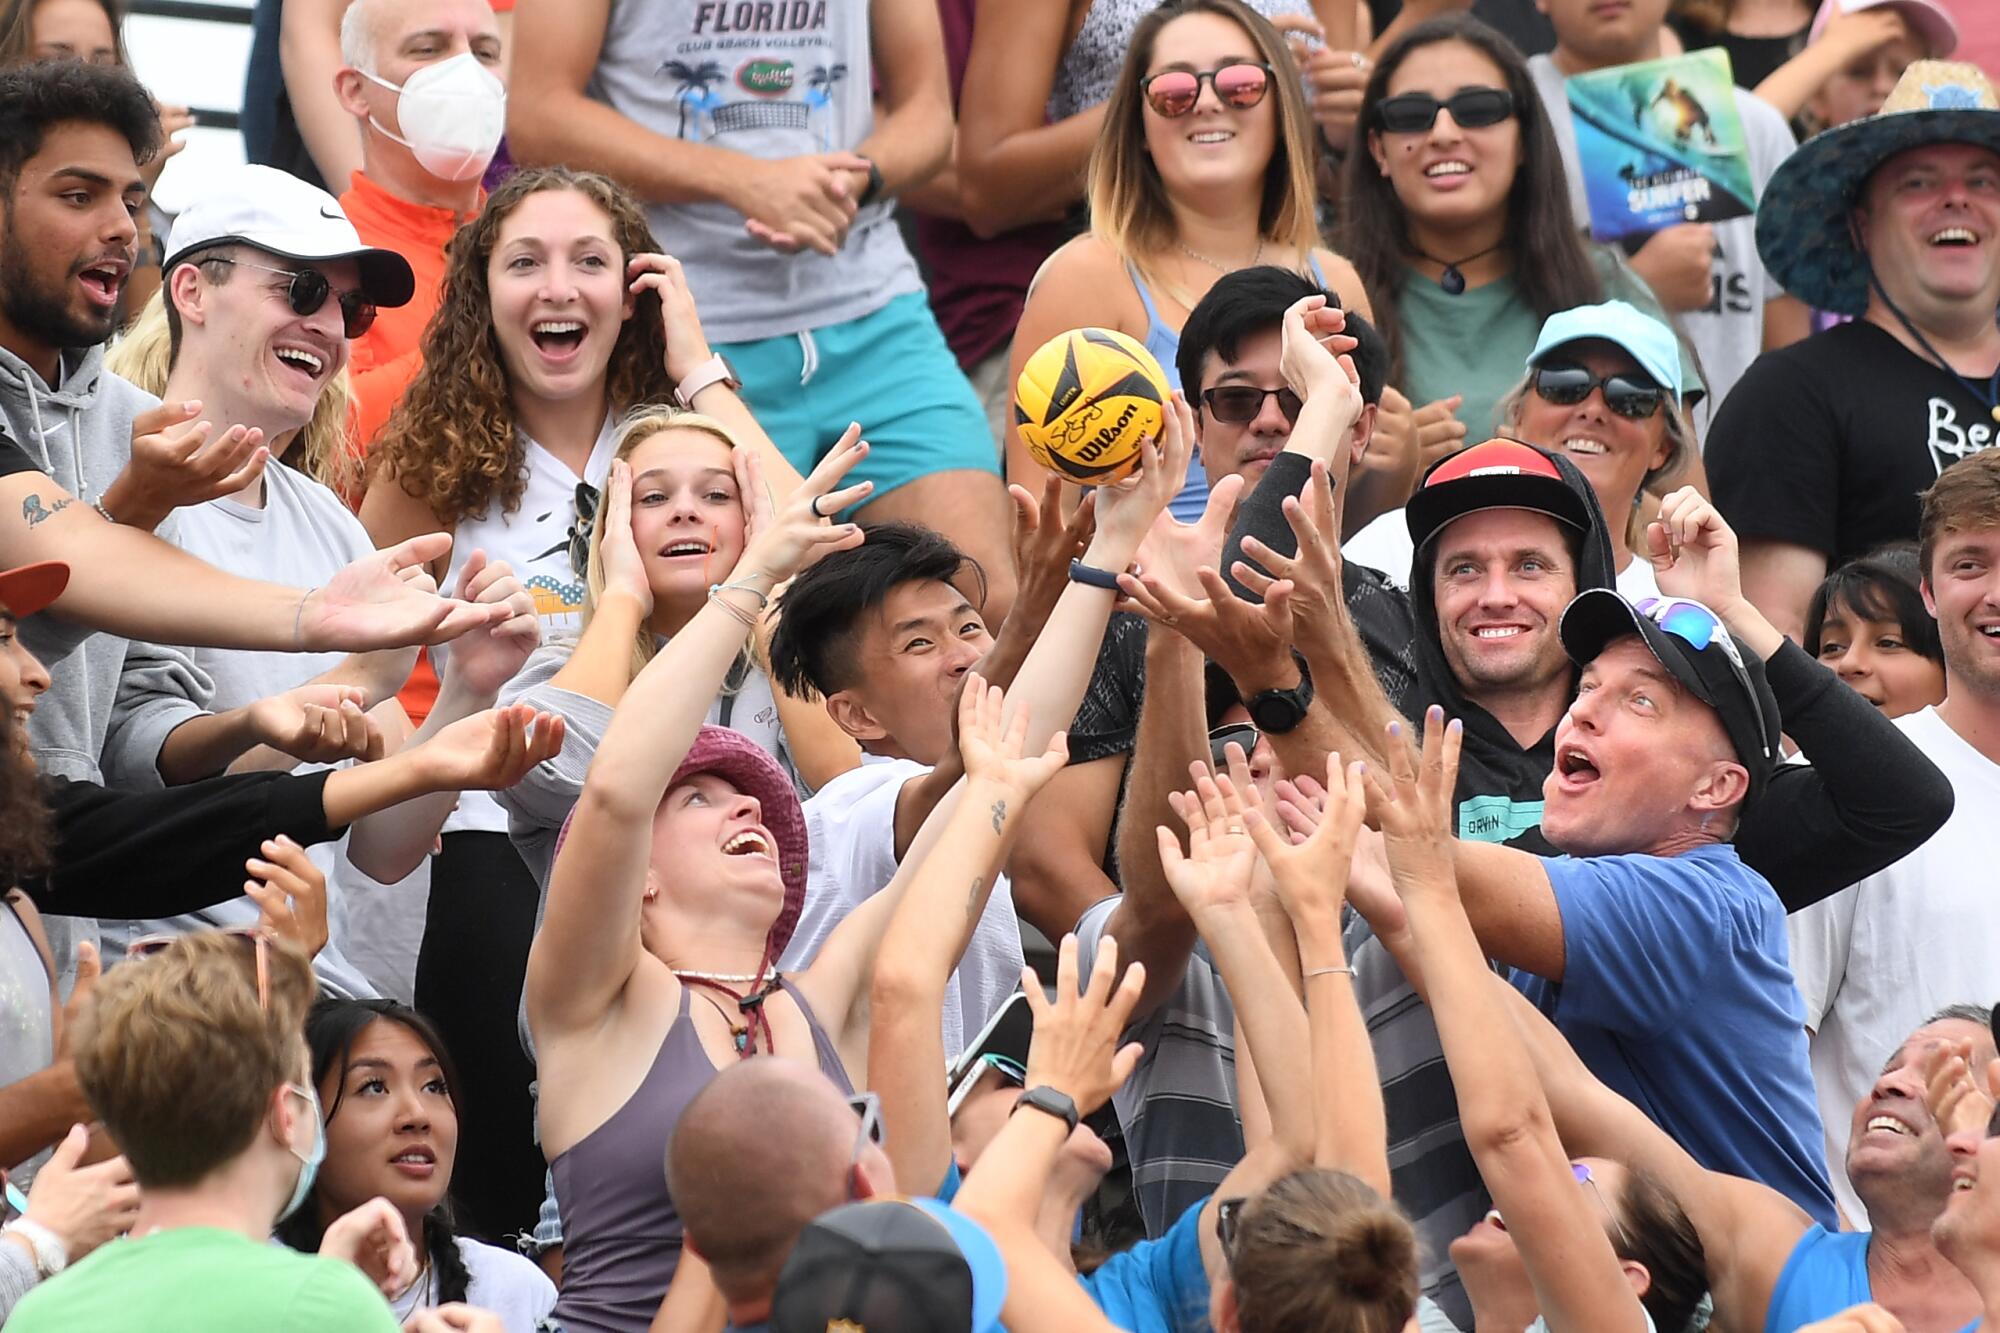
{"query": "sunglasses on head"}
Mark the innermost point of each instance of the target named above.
(868, 1108)
(250, 937)
(1239, 404)
(1011, 1074)
(1240, 85)
(1227, 1214)
(1629, 393)
(1471, 109)
(1219, 739)
(1583, 1177)
(1694, 624)
(308, 291)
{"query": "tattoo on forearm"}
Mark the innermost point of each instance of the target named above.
(31, 508)
(999, 816)
(972, 897)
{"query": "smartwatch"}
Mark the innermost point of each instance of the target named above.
(1280, 711)
(1050, 1102)
(873, 190)
(715, 370)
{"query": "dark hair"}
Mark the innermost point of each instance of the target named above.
(1322, 1250)
(24, 816)
(1552, 269)
(17, 40)
(1885, 584)
(1963, 1012)
(36, 98)
(1657, 1233)
(1965, 497)
(1251, 301)
(812, 650)
(332, 1028)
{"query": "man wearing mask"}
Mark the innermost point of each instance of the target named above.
(424, 80)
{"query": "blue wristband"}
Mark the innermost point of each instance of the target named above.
(1092, 575)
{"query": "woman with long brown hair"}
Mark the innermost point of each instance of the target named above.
(1457, 217)
(1204, 166)
(558, 316)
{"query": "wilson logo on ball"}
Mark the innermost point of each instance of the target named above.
(1085, 403)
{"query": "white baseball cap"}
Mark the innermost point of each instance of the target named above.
(282, 215)
(1927, 19)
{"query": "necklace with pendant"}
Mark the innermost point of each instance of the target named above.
(1223, 269)
(1452, 280)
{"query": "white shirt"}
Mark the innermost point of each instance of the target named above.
(1877, 959)
(851, 834)
(534, 541)
(1384, 545)
(499, 1280)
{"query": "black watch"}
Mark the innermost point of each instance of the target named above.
(873, 191)
(1050, 1102)
(1280, 711)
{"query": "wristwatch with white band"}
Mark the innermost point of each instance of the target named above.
(51, 1255)
(715, 370)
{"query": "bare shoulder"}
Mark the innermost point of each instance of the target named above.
(1085, 280)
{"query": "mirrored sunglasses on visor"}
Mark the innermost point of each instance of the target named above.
(1630, 394)
(1692, 623)
(1471, 109)
(1240, 85)
(308, 291)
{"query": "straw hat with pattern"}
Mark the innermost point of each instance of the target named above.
(1803, 232)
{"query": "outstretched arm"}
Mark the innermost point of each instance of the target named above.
(589, 945)
(1506, 1117)
(931, 927)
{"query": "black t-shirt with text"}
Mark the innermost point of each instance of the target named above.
(1828, 443)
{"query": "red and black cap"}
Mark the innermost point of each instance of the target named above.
(1499, 474)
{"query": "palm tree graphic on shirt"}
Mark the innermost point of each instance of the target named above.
(819, 97)
(694, 90)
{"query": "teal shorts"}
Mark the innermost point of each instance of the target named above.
(892, 372)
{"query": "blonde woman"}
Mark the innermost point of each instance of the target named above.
(1204, 166)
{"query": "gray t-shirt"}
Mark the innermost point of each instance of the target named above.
(776, 79)
(1183, 1134)
(1729, 334)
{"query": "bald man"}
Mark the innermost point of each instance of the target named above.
(761, 1151)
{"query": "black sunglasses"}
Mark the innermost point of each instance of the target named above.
(1471, 109)
(1219, 738)
(1627, 393)
(1239, 404)
(308, 291)
(1240, 84)
(1227, 1212)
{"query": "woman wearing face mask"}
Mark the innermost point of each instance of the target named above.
(221, 1014)
(1204, 166)
(385, 1083)
(1458, 220)
(558, 316)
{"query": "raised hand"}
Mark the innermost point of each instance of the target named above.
(1076, 1049)
(1044, 544)
(175, 463)
(1173, 552)
(490, 750)
(317, 724)
(1439, 432)
(374, 1239)
(1216, 871)
(89, 967)
(1311, 868)
(1127, 509)
(784, 540)
(1413, 806)
(290, 893)
(372, 603)
(83, 1205)
(1302, 594)
(991, 745)
(1694, 552)
(484, 659)
(1313, 356)
(680, 325)
(617, 552)
(1250, 642)
(1956, 1099)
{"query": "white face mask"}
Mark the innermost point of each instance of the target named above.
(453, 111)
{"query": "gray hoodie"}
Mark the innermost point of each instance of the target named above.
(112, 701)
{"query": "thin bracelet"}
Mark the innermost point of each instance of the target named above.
(298, 617)
(737, 613)
(743, 585)
(104, 513)
(1329, 972)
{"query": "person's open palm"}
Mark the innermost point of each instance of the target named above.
(617, 549)
(492, 750)
(1311, 872)
(992, 744)
(372, 604)
(1220, 861)
(290, 893)
(783, 539)
(1076, 1048)
(1412, 804)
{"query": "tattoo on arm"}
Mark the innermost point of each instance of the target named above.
(32, 510)
(999, 816)
(972, 897)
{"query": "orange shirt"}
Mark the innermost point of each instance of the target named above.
(388, 356)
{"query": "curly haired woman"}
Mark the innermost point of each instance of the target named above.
(558, 315)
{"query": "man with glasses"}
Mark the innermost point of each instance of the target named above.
(762, 1150)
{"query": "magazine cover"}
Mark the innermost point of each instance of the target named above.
(1660, 142)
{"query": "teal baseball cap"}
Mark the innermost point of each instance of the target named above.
(1648, 341)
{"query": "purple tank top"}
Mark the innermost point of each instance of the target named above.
(621, 1232)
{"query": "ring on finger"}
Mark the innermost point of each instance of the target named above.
(814, 504)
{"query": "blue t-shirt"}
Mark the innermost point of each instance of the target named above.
(1826, 1273)
(1677, 993)
(1157, 1286)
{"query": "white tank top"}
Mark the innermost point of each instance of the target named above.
(535, 540)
